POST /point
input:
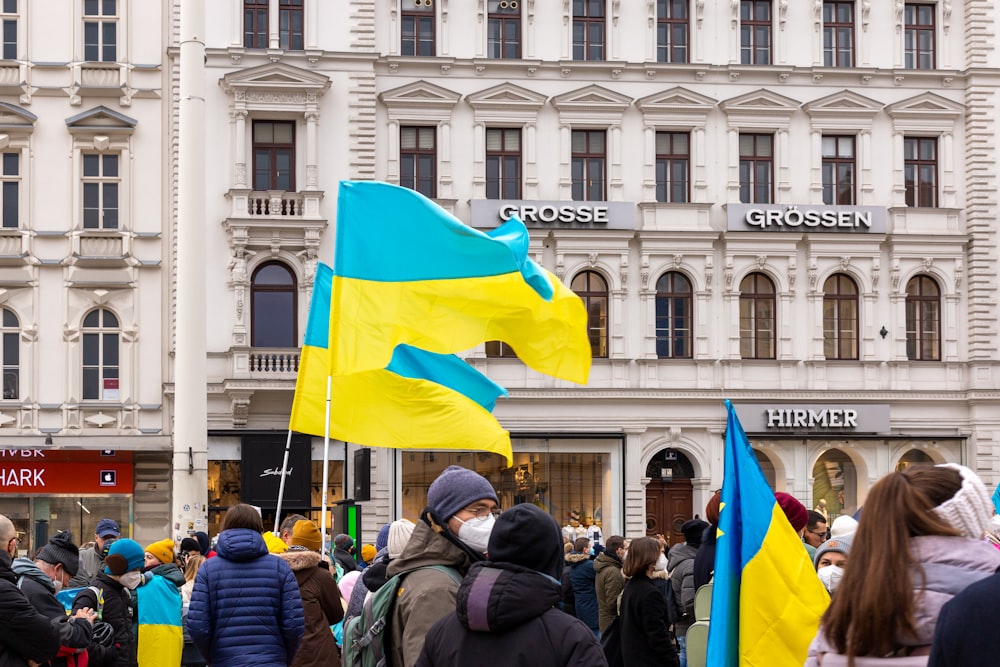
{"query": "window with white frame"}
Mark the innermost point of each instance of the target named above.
(101, 344)
(101, 183)
(10, 187)
(11, 332)
(100, 30)
(9, 17)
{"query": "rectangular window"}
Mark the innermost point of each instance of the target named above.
(673, 163)
(418, 28)
(10, 185)
(290, 23)
(588, 29)
(756, 168)
(588, 160)
(8, 20)
(755, 32)
(418, 159)
(100, 31)
(503, 163)
(498, 348)
(918, 42)
(101, 182)
(838, 33)
(274, 155)
(504, 29)
(672, 31)
(838, 170)
(255, 24)
(920, 171)
(11, 355)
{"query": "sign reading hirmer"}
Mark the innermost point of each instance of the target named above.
(757, 418)
(488, 213)
(782, 218)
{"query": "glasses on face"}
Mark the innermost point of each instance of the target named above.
(819, 533)
(482, 512)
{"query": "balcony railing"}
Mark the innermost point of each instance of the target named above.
(274, 363)
(275, 204)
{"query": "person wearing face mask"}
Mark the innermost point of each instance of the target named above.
(117, 582)
(831, 559)
(161, 629)
(344, 553)
(39, 581)
(454, 532)
(645, 634)
(681, 567)
(579, 585)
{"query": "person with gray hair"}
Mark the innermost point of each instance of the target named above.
(25, 635)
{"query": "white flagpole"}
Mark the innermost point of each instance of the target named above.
(281, 484)
(326, 464)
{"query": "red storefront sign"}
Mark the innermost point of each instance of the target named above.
(34, 471)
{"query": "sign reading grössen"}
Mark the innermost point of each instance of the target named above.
(791, 218)
(487, 213)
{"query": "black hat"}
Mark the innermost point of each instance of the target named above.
(693, 529)
(203, 542)
(190, 544)
(527, 536)
(61, 551)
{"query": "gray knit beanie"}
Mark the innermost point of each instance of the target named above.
(457, 487)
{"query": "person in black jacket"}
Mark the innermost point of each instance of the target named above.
(965, 633)
(344, 553)
(25, 634)
(506, 609)
(645, 635)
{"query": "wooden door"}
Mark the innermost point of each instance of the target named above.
(668, 506)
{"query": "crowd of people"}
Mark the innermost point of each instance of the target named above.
(914, 581)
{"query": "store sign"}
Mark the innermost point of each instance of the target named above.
(823, 418)
(260, 471)
(782, 218)
(488, 213)
(40, 476)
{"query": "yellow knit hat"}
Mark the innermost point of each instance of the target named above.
(274, 543)
(368, 553)
(163, 550)
(306, 534)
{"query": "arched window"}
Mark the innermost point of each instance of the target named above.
(923, 319)
(840, 317)
(273, 311)
(757, 317)
(11, 355)
(101, 342)
(593, 289)
(673, 316)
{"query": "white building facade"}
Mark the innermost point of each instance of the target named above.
(790, 205)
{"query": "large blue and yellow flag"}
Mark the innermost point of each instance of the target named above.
(408, 272)
(421, 399)
(767, 599)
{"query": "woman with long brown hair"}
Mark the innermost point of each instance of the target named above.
(645, 634)
(918, 544)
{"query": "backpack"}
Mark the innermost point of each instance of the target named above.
(364, 635)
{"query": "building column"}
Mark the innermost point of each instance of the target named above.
(312, 169)
(240, 148)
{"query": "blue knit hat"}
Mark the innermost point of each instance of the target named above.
(455, 488)
(124, 556)
(382, 540)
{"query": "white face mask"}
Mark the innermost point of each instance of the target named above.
(57, 584)
(830, 576)
(130, 580)
(476, 532)
(661, 563)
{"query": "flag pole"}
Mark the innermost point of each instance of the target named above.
(281, 484)
(326, 464)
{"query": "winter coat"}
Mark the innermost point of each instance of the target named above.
(645, 635)
(966, 632)
(245, 606)
(608, 585)
(507, 615)
(322, 606)
(120, 612)
(580, 569)
(346, 560)
(41, 593)
(161, 625)
(704, 560)
(91, 563)
(950, 565)
(427, 595)
(24, 633)
(680, 564)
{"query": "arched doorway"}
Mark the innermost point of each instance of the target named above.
(668, 494)
(835, 479)
(913, 457)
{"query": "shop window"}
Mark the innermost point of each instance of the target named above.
(274, 155)
(588, 29)
(839, 169)
(672, 30)
(674, 299)
(840, 318)
(11, 355)
(418, 159)
(100, 30)
(923, 319)
(912, 458)
(504, 29)
(503, 163)
(101, 341)
(273, 309)
(588, 164)
(756, 168)
(39, 517)
(757, 317)
(101, 186)
(290, 25)
(835, 479)
(593, 289)
(255, 24)
(918, 36)
(766, 467)
(838, 33)
(8, 20)
(755, 32)
(673, 166)
(920, 170)
(418, 28)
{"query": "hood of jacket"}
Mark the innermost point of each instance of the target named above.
(427, 547)
(26, 567)
(240, 544)
(680, 553)
(496, 597)
(171, 573)
(606, 560)
(300, 560)
(575, 558)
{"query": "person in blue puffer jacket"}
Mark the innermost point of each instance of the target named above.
(245, 606)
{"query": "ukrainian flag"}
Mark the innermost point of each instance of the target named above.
(767, 599)
(407, 272)
(420, 400)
